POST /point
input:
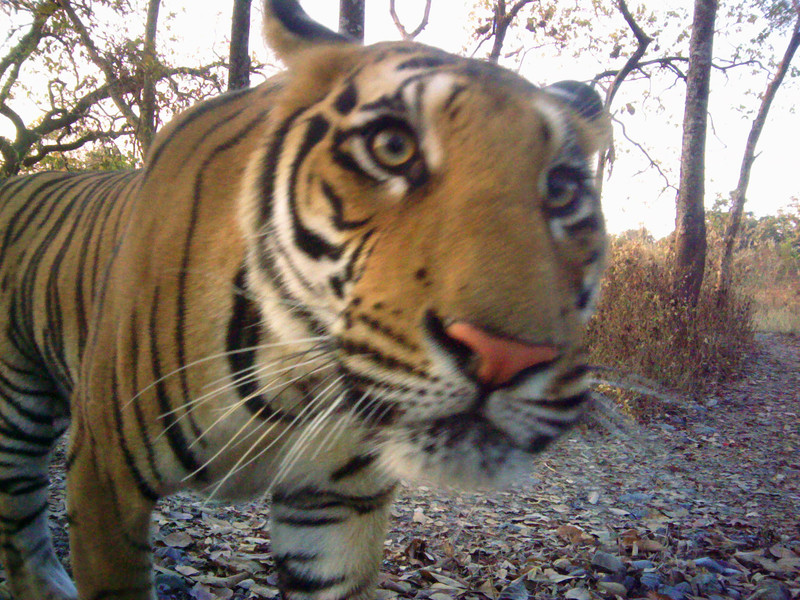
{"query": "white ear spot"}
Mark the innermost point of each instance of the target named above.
(554, 117)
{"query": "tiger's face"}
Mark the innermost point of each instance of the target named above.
(437, 220)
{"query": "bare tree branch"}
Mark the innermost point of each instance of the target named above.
(653, 163)
(92, 136)
(101, 63)
(502, 21)
(642, 42)
(27, 44)
(671, 62)
(422, 25)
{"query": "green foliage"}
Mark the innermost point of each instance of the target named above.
(780, 231)
(68, 79)
(97, 157)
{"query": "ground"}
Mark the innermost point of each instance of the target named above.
(700, 502)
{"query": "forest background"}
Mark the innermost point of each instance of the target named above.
(84, 84)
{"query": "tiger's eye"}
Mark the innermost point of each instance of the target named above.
(393, 147)
(565, 185)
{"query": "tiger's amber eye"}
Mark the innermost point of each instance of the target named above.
(393, 147)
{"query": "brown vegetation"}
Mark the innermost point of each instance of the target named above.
(643, 328)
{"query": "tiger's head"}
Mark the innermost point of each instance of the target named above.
(435, 218)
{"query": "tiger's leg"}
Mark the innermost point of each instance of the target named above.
(328, 544)
(109, 521)
(32, 418)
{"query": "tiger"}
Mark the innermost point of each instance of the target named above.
(376, 266)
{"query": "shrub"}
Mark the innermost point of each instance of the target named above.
(641, 329)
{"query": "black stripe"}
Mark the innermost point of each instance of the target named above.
(13, 525)
(306, 240)
(197, 113)
(19, 485)
(584, 298)
(240, 342)
(538, 444)
(13, 451)
(53, 304)
(370, 410)
(93, 236)
(17, 433)
(338, 210)
(294, 581)
(591, 223)
(347, 100)
(301, 557)
(19, 406)
(145, 489)
(353, 467)
(381, 359)
(427, 62)
(269, 169)
(295, 19)
(567, 403)
(183, 275)
(312, 498)
(137, 407)
(267, 264)
(457, 91)
(307, 521)
(173, 430)
(349, 270)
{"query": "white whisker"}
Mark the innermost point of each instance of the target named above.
(243, 460)
(219, 355)
(191, 406)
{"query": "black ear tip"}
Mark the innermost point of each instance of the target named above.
(296, 20)
(582, 98)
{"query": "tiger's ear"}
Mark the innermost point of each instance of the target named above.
(290, 31)
(588, 105)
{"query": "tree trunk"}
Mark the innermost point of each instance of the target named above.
(690, 227)
(351, 19)
(239, 65)
(147, 110)
(738, 196)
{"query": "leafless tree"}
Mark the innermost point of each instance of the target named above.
(738, 196)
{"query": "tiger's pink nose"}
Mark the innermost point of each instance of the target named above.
(499, 358)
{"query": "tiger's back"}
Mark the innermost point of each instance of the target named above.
(376, 265)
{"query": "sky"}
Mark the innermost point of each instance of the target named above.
(633, 195)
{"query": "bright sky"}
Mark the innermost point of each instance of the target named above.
(633, 195)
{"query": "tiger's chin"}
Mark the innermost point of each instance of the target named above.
(465, 451)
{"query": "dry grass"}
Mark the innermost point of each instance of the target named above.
(771, 277)
(640, 327)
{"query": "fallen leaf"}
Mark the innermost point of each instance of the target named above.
(178, 539)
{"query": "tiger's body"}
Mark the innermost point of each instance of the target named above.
(375, 265)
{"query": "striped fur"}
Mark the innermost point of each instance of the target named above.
(264, 307)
